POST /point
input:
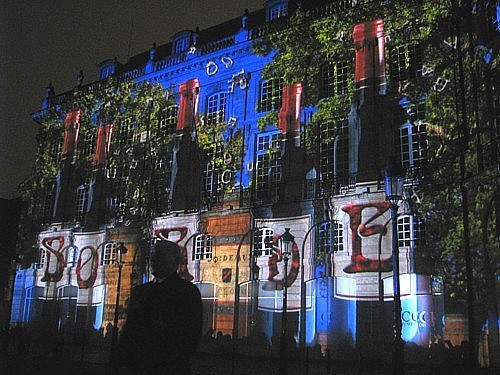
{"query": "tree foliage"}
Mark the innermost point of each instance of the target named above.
(319, 36)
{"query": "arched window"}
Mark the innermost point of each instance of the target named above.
(203, 247)
(109, 253)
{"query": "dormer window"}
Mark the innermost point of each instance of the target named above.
(181, 42)
(181, 45)
(107, 68)
(276, 9)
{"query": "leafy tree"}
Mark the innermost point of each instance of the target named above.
(108, 102)
(458, 192)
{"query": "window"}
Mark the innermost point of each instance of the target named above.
(268, 173)
(416, 112)
(41, 258)
(54, 149)
(203, 247)
(270, 95)
(107, 68)
(120, 177)
(168, 121)
(109, 253)
(66, 301)
(404, 231)
(263, 242)
(411, 231)
(413, 145)
(334, 78)
(211, 177)
(71, 255)
(331, 237)
(81, 198)
(405, 62)
(106, 72)
(418, 231)
(334, 156)
(30, 303)
(216, 107)
(46, 204)
(181, 45)
(161, 182)
(125, 134)
(89, 142)
(278, 11)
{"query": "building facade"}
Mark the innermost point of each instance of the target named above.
(213, 176)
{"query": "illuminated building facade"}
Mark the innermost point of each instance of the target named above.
(226, 209)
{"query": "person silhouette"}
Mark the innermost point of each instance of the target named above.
(164, 320)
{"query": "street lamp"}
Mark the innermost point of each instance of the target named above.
(287, 241)
(121, 250)
(393, 183)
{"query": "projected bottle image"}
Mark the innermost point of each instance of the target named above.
(371, 136)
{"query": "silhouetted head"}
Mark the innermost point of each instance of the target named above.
(165, 259)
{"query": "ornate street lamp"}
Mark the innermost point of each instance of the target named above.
(394, 183)
(121, 250)
(287, 241)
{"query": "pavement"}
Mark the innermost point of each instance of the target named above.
(216, 359)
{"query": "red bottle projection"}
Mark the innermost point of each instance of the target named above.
(71, 128)
(289, 113)
(102, 144)
(372, 117)
(293, 158)
(98, 197)
(369, 44)
(186, 163)
(64, 191)
(188, 107)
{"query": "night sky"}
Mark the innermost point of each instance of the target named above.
(44, 41)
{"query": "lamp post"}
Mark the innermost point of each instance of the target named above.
(393, 183)
(121, 250)
(287, 240)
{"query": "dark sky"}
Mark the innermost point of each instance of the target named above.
(44, 41)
